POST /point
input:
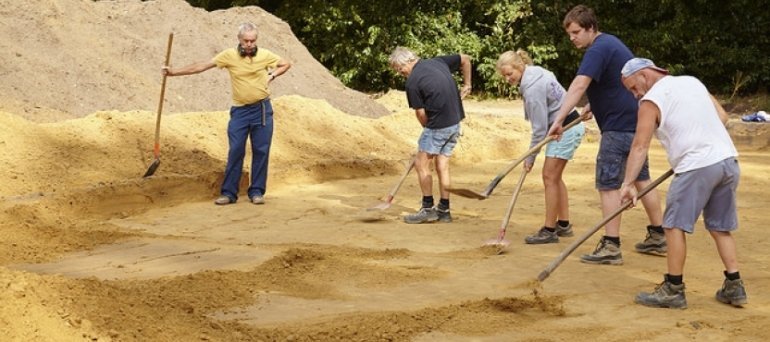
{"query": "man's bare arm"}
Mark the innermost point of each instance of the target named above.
(190, 69)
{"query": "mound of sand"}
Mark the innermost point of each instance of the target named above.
(65, 59)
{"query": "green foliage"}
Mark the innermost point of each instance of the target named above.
(372, 30)
(724, 43)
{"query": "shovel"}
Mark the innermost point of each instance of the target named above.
(567, 251)
(488, 191)
(500, 242)
(392, 194)
(156, 150)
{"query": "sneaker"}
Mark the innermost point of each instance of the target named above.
(666, 295)
(258, 200)
(222, 200)
(425, 215)
(732, 292)
(564, 231)
(606, 253)
(542, 236)
(443, 215)
(654, 243)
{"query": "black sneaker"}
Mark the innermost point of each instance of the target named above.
(732, 292)
(425, 215)
(665, 295)
(542, 236)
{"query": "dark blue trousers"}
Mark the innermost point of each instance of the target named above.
(254, 122)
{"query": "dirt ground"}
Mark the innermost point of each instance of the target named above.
(89, 250)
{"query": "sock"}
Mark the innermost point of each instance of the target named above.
(732, 276)
(614, 239)
(674, 279)
(563, 223)
(550, 229)
(657, 229)
(443, 204)
(427, 201)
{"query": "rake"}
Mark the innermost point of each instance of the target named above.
(571, 248)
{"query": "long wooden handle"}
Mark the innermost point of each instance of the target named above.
(571, 248)
(531, 151)
(509, 210)
(156, 150)
(401, 181)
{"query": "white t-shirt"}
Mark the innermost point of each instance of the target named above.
(690, 129)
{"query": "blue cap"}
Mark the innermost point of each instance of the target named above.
(635, 64)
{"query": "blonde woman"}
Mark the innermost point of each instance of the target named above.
(543, 96)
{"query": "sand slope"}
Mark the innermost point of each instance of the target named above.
(69, 58)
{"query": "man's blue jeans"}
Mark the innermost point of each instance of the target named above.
(255, 122)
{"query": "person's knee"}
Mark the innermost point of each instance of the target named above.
(422, 170)
(550, 178)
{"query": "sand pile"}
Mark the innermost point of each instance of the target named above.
(68, 59)
(112, 146)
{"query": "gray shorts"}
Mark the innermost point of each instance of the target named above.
(611, 160)
(439, 141)
(710, 189)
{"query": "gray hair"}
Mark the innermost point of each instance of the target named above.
(246, 27)
(402, 56)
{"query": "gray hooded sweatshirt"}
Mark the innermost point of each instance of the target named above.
(543, 97)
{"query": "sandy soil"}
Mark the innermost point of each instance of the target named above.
(89, 250)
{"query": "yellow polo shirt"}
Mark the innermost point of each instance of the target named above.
(248, 76)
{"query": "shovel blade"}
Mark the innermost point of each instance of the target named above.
(497, 242)
(152, 168)
(381, 206)
(500, 244)
(468, 193)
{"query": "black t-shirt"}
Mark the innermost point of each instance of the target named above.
(430, 86)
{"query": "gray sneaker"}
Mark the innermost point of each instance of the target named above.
(223, 200)
(542, 236)
(564, 231)
(443, 215)
(606, 253)
(666, 295)
(732, 292)
(425, 215)
(654, 243)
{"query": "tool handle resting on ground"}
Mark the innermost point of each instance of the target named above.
(392, 194)
(156, 148)
(567, 251)
(509, 210)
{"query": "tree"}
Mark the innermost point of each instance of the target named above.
(721, 42)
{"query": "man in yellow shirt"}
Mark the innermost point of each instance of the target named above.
(251, 115)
